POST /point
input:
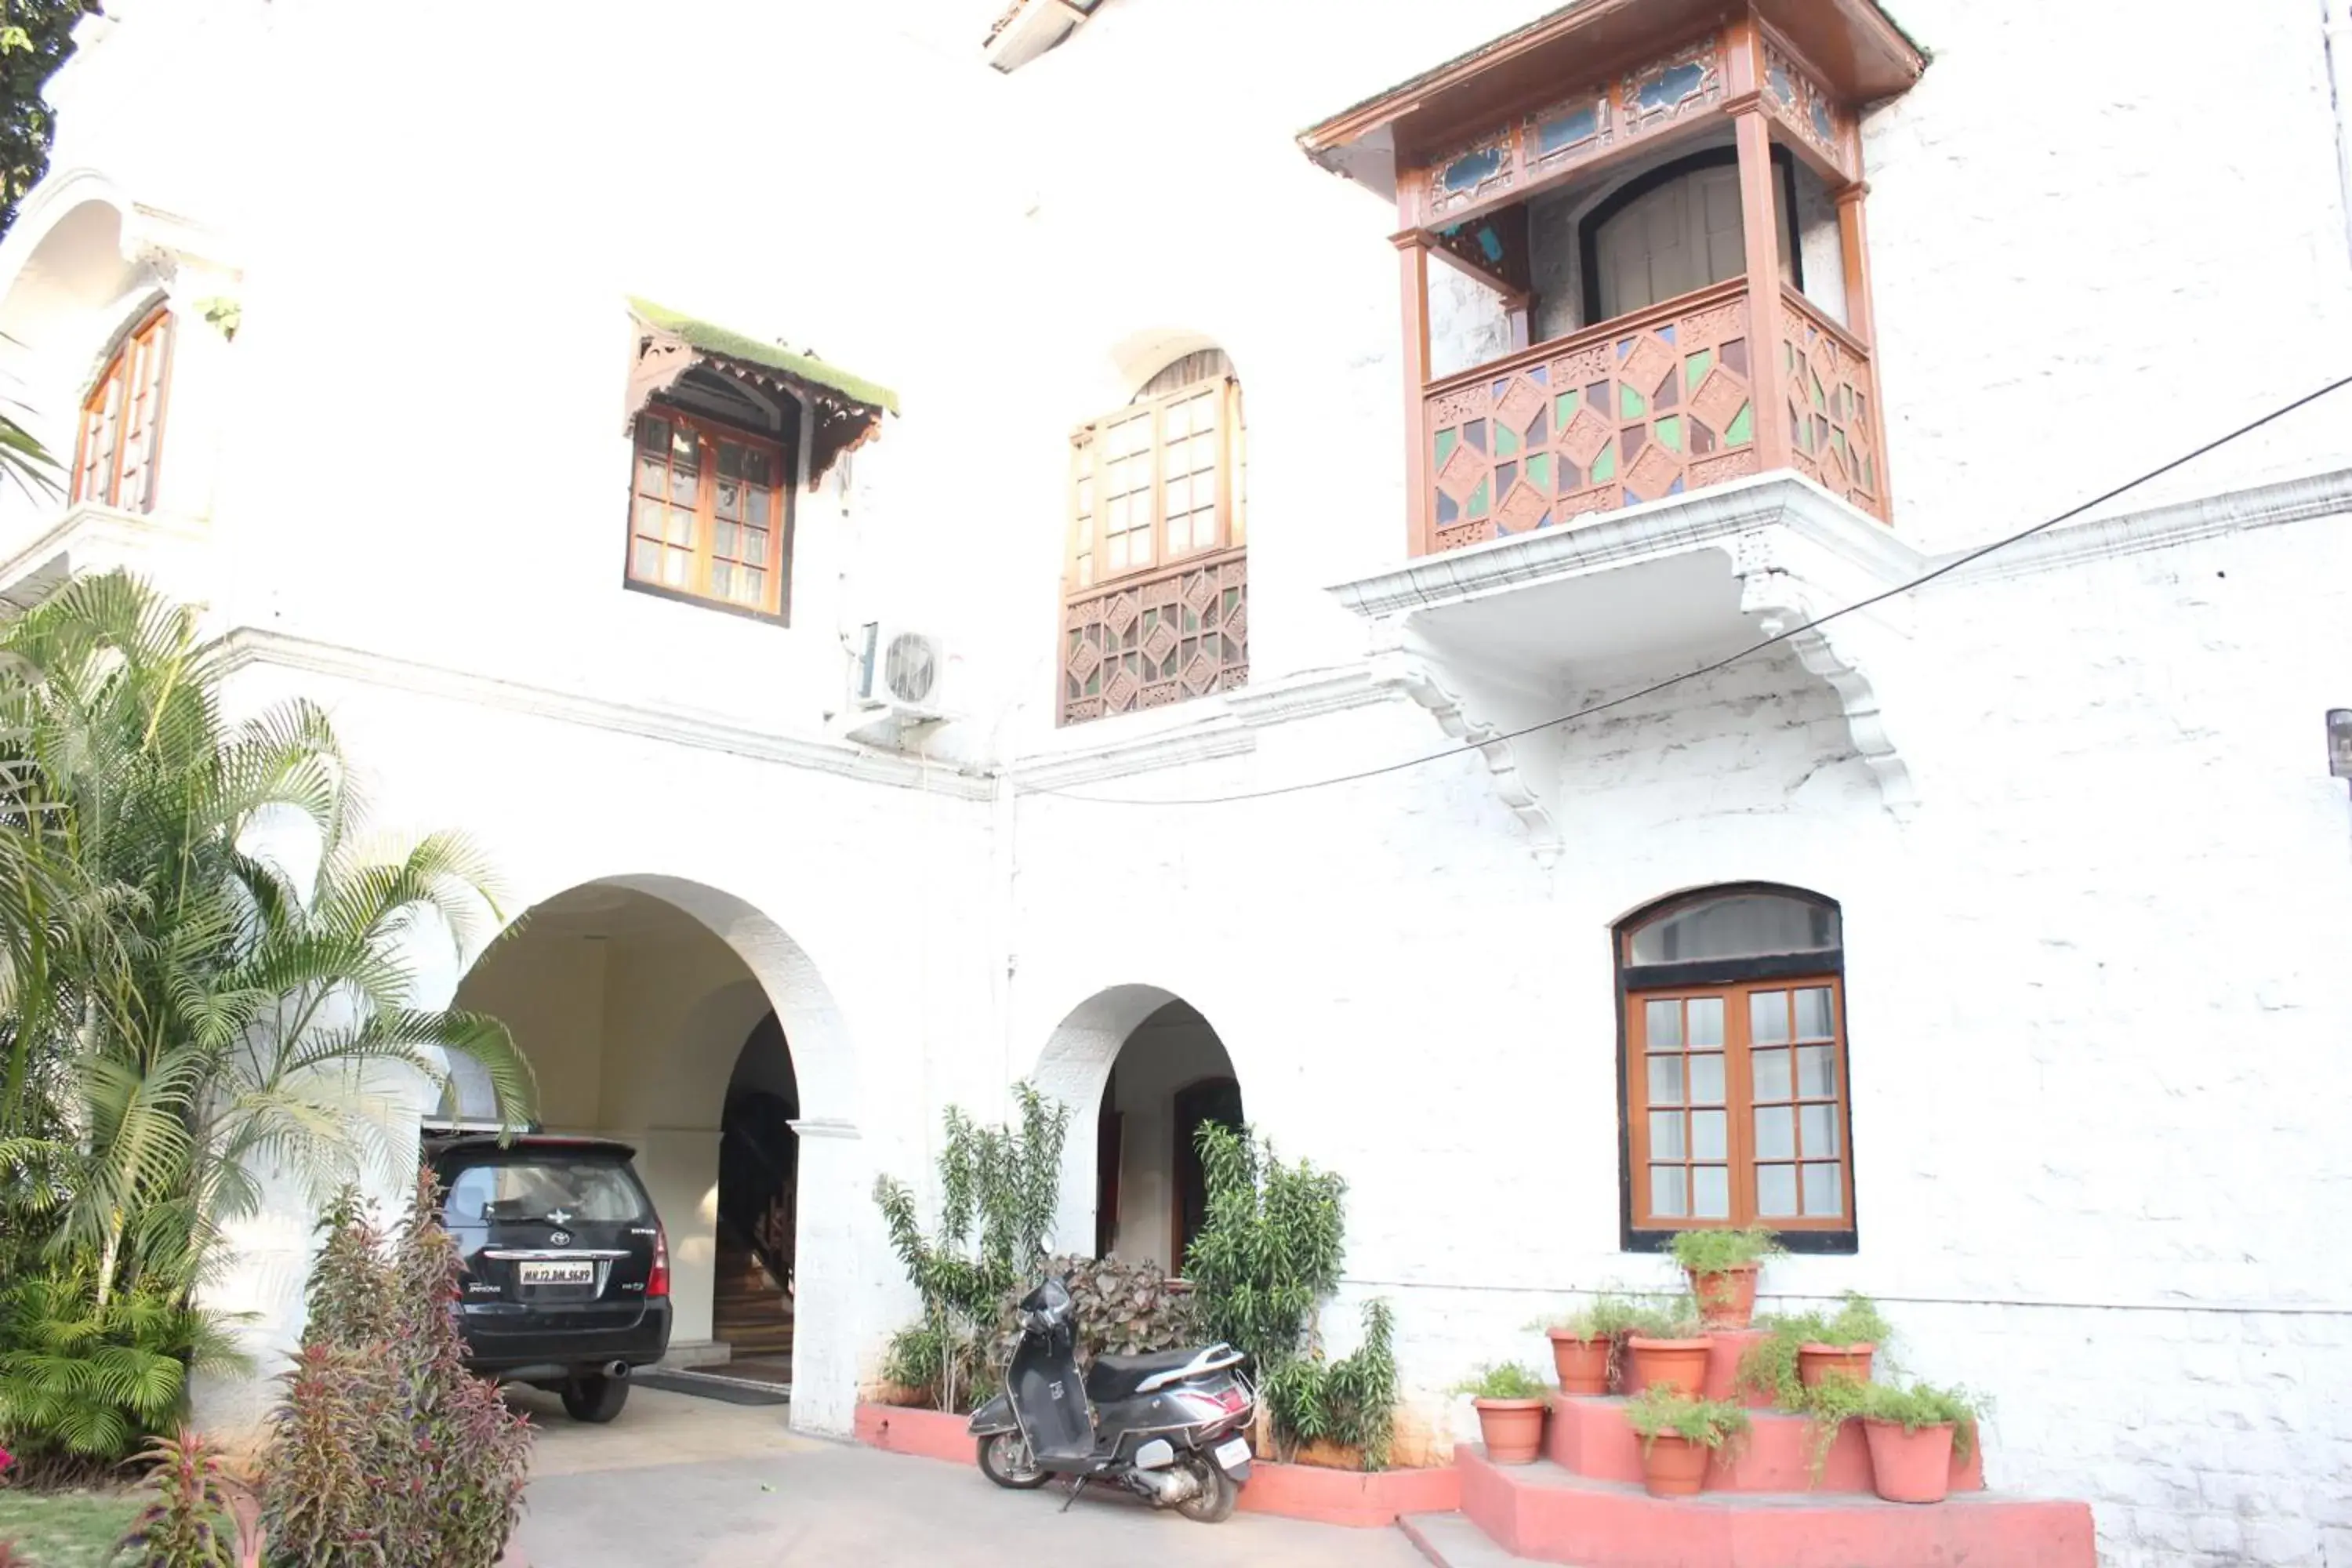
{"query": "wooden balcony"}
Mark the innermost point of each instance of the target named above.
(1148, 640)
(1656, 404)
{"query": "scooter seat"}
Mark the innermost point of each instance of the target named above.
(1113, 1378)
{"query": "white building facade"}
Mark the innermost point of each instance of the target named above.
(1242, 777)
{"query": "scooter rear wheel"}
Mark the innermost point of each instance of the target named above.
(1213, 1503)
(1005, 1459)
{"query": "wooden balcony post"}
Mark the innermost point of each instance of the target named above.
(1759, 229)
(1412, 252)
(1862, 320)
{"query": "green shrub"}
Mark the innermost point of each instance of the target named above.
(1769, 1367)
(83, 1386)
(1655, 1412)
(1713, 1251)
(1508, 1380)
(998, 1189)
(202, 1517)
(386, 1450)
(1350, 1401)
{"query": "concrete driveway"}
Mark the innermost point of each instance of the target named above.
(697, 1484)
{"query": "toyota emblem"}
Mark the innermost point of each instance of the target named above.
(561, 1238)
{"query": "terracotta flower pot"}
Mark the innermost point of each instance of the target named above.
(1909, 1467)
(1726, 1299)
(1669, 1364)
(1673, 1467)
(1511, 1428)
(1816, 1362)
(1582, 1364)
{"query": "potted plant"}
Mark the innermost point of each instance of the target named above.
(1799, 1350)
(1913, 1434)
(1843, 1341)
(1669, 1346)
(1722, 1266)
(1829, 1404)
(1511, 1404)
(1584, 1344)
(1680, 1436)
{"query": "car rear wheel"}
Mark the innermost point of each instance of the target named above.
(597, 1399)
(1005, 1459)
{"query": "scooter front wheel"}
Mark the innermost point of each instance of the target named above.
(1213, 1503)
(1005, 1459)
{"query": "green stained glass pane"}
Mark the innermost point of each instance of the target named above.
(1869, 475)
(1478, 499)
(1742, 427)
(1837, 441)
(1539, 472)
(1800, 429)
(1507, 440)
(1669, 432)
(1563, 409)
(1446, 441)
(1604, 467)
(1821, 398)
(1631, 405)
(1694, 369)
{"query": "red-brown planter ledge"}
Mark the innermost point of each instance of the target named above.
(931, 1434)
(1367, 1499)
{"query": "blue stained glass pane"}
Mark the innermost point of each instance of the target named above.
(1822, 126)
(1540, 376)
(1783, 87)
(1474, 432)
(1577, 125)
(1676, 487)
(1447, 511)
(1472, 170)
(1491, 244)
(1668, 331)
(1631, 499)
(1669, 87)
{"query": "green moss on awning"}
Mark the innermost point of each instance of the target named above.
(711, 338)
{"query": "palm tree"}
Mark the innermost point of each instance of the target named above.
(206, 974)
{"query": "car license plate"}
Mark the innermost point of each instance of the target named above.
(560, 1271)
(1232, 1453)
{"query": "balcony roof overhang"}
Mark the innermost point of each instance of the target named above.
(1862, 55)
(845, 410)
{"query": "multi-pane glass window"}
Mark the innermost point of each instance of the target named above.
(1159, 480)
(706, 511)
(122, 436)
(1737, 1109)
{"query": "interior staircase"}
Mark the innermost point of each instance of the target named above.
(751, 1314)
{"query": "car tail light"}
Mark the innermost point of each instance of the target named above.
(657, 1282)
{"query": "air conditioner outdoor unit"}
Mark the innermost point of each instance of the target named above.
(901, 671)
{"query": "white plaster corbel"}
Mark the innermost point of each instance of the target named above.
(1399, 661)
(1849, 654)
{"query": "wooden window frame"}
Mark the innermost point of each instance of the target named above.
(153, 332)
(1093, 545)
(1733, 979)
(777, 605)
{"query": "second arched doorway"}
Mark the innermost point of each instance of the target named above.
(1168, 1077)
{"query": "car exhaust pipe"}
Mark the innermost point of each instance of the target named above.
(616, 1370)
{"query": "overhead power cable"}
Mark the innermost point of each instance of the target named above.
(1730, 659)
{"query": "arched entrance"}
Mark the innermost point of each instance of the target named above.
(1143, 1069)
(668, 1015)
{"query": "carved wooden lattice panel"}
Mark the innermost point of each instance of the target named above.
(1647, 407)
(1832, 431)
(1145, 642)
(1798, 99)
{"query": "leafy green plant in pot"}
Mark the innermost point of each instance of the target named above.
(1668, 1346)
(1913, 1435)
(1584, 1344)
(1843, 1341)
(1722, 1266)
(1510, 1402)
(1680, 1436)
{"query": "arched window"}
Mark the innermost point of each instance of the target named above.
(122, 437)
(1677, 229)
(1154, 587)
(1737, 1110)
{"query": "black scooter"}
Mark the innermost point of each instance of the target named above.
(1167, 1426)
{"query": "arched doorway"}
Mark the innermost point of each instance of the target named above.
(652, 1008)
(1151, 1070)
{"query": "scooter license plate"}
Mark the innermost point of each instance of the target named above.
(1234, 1454)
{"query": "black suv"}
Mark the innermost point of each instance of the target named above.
(565, 1281)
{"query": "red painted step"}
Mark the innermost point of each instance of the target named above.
(1589, 1436)
(1544, 1513)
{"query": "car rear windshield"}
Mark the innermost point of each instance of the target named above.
(583, 1190)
